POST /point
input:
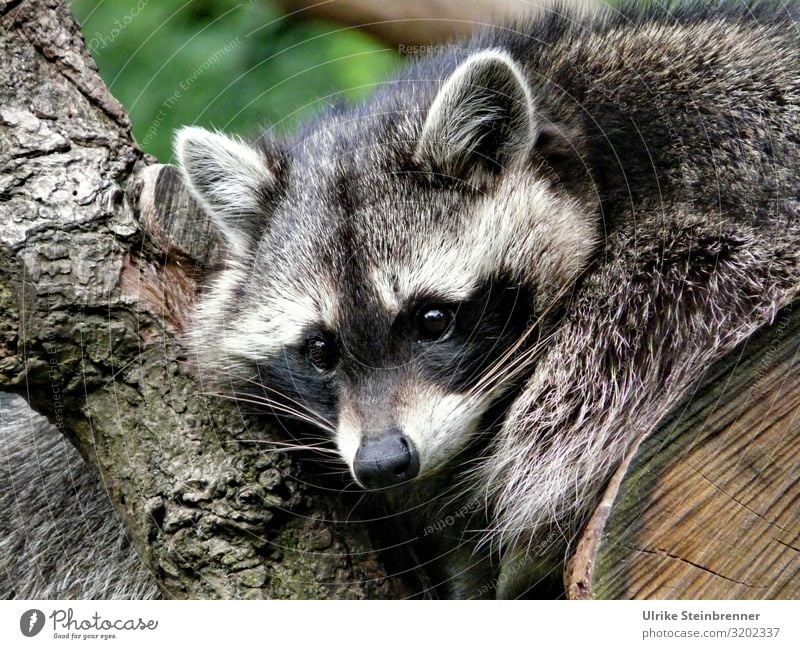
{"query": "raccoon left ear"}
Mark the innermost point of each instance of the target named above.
(482, 117)
(230, 179)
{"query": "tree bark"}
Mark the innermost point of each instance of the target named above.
(101, 252)
(410, 23)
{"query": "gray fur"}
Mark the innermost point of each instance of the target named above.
(59, 535)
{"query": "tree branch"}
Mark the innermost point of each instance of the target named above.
(423, 22)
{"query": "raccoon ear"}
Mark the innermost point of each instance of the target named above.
(483, 116)
(230, 179)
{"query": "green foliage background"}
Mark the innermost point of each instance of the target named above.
(235, 66)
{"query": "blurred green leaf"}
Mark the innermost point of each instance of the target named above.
(237, 66)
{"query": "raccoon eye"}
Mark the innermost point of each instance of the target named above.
(434, 323)
(322, 352)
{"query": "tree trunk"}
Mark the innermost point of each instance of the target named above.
(101, 252)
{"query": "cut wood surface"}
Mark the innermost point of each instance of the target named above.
(708, 507)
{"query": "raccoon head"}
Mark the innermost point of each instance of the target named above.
(388, 271)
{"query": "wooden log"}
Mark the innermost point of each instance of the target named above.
(708, 507)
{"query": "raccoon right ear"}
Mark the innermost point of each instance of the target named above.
(482, 117)
(230, 179)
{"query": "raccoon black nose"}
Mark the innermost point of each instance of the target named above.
(387, 460)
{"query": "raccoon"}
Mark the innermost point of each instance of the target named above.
(486, 282)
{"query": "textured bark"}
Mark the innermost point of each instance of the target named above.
(707, 507)
(425, 22)
(96, 276)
